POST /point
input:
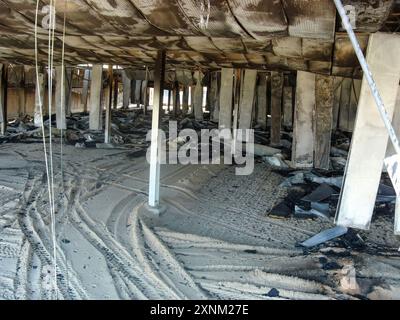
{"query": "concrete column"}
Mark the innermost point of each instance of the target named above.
(115, 95)
(133, 91)
(216, 86)
(154, 179)
(370, 137)
(107, 125)
(3, 98)
(144, 95)
(276, 107)
(288, 107)
(198, 97)
(95, 121)
(247, 99)
(68, 90)
(176, 96)
(323, 120)
(225, 98)
(85, 89)
(354, 96)
(336, 101)
(185, 100)
(303, 137)
(21, 91)
(262, 101)
(126, 90)
(138, 91)
(169, 100)
(61, 97)
(344, 111)
(39, 99)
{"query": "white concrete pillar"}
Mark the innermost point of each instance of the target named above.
(303, 137)
(61, 97)
(198, 97)
(323, 120)
(155, 148)
(39, 99)
(246, 102)
(126, 90)
(370, 137)
(276, 107)
(95, 112)
(226, 98)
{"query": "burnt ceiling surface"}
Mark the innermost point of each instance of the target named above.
(264, 34)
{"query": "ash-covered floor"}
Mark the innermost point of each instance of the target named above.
(214, 241)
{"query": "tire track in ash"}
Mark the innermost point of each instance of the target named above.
(37, 234)
(228, 270)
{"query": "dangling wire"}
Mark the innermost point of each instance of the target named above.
(49, 183)
(62, 95)
(51, 64)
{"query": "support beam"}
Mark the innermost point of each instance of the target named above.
(288, 107)
(176, 99)
(262, 101)
(344, 110)
(154, 179)
(323, 120)
(138, 92)
(95, 98)
(68, 90)
(370, 136)
(126, 90)
(215, 90)
(39, 90)
(133, 91)
(303, 137)
(336, 101)
(145, 97)
(85, 89)
(107, 126)
(247, 99)
(226, 98)
(21, 91)
(115, 94)
(3, 98)
(198, 97)
(185, 100)
(61, 97)
(169, 100)
(276, 107)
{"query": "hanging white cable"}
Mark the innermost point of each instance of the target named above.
(62, 94)
(52, 212)
(40, 102)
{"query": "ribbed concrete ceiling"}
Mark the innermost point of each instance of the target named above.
(270, 34)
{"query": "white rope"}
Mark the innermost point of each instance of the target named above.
(50, 107)
(40, 102)
(62, 95)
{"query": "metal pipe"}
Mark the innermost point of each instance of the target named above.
(368, 75)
